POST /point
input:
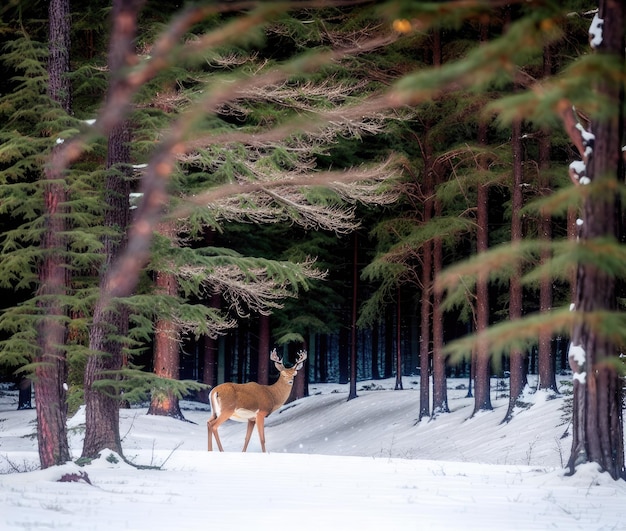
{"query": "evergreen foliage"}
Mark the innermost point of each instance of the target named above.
(243, 120)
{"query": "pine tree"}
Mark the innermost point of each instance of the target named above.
(594, 350)
(50, 363)
(109, 326)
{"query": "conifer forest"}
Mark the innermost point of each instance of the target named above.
(396, 188)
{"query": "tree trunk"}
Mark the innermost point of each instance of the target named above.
(375, 351)
(102, 405)
(353, 346)
(388, 351)
(301, 381)
(440, 387)
(517, 365)
(482, 365)
(166, 345)
(25, 393)
(482, 359)
(425, 308)
(547, 376)
(264, 350)
(597, 416)
(398, 344)
(166, 356)
(51, 367)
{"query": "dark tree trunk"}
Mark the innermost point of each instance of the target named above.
(344, 355)
(425, 310)
(375, 351)
(51, 365)
(517, 365)
(546, 370)
(25, 388)
(353, 345)
(597, 416)
(322, 358)
(263, 376)
(388, 352)
(482, 359)
(398, 344)
(209, 365)
(440, 387)
(102, 405)
(301, 382)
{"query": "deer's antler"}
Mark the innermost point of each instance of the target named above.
(278, 361)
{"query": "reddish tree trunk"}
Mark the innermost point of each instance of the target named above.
(166, 363)
(547, 376)
(102, 405)
(597, 416)
(164, 401)
(517, 356)
(482, 374)
(482, 359)
(51, 366)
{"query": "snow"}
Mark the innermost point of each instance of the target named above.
(595, 31)
(578, 166)
(365, 464)
(577, 353)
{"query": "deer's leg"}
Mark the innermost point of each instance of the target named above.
(212, 425)
(260, 424)
(210, 434)
(249, 429)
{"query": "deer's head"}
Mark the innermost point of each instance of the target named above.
(288, 374)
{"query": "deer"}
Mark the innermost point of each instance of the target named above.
(251, 402)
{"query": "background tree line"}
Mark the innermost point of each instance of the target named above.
(313, 174)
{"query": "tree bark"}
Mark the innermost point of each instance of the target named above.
(481, 359)
(375, 351)
(353, 345)
(102, 405)
(398, 344)
(440, 387)
(50, 362)
(597, 416)
(264, 350)
(425, 310)
(547, 375)
(482, 365)
(164, 400)
(517, 380)
(25, 393)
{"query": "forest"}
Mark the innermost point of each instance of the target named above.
(396, 188)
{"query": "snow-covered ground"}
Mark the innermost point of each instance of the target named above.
(331, 464)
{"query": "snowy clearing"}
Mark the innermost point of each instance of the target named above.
(332, 464)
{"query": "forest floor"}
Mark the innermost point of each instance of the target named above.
(331, 464)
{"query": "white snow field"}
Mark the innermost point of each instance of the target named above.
(331, 464)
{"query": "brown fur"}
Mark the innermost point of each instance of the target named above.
(250, 402)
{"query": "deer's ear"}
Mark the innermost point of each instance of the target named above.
(299, 366)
